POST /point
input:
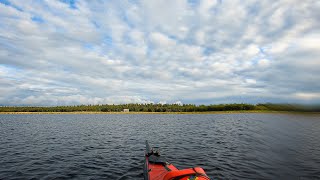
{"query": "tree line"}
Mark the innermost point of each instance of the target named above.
(164, 108)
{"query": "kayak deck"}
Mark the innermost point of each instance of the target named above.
(157, 168)
(158, 171)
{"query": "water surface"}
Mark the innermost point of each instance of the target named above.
(110, 146)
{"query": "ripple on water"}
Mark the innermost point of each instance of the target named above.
(227, 146)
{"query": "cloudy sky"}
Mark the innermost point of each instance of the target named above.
(63, 52)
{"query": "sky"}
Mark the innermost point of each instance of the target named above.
(70, 52)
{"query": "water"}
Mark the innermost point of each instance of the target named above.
(227, 146)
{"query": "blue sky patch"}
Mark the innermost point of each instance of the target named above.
(107, 40)
(8, 3)
(194, 2)
(72, 3)
(37, 19)
(5, 2)
(207, 51)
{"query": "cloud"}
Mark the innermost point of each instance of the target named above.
(161, 40)
(81, 52)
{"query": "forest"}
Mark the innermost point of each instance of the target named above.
(165, 108)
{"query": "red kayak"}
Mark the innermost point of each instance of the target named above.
(157, 168)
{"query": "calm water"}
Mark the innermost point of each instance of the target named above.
(227, 146)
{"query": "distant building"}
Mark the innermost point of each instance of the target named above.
(125, 110)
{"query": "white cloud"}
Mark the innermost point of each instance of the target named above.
(264, 63)
(307, 96)
(159, 51)
(252, 50)
(310, 42)
(161, 40)
(162, 102)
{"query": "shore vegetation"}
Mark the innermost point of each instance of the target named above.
(166, 108)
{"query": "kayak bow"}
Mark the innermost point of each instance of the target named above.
(157, 168)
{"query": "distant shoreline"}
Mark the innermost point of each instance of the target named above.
(206, 112)
(162, 109)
